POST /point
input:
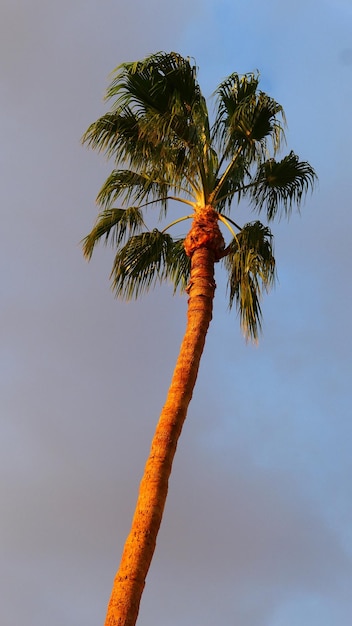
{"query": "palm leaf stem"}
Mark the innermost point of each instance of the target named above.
(231, 221)
(226, 222)
(225, 174)
(191, 183)
(180, 219)
(231, 194)
(178, 199)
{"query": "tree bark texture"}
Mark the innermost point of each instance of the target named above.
(140, 544)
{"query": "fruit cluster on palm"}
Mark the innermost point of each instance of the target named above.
(166, 149)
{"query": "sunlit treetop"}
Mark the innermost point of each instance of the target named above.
(165, 147)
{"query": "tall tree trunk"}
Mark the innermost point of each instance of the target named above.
(140, 544)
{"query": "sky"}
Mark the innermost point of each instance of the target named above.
(257, 527)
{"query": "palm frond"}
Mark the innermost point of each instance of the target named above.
(229, 94)
(146, 259)
(164, 92)
(113, 224)
(251, 268)
(281, 184)
(131, 187)
(255, 121)
(246, 117)
(178, 265)
(158, 123)
(114, 134)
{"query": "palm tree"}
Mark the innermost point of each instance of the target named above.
(165, 147)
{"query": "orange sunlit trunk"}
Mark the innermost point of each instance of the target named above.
(140, 544)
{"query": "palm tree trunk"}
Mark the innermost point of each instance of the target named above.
(140, 544)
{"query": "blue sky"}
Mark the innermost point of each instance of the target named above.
(257, 528)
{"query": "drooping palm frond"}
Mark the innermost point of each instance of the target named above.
(163, 84)
(281, 184)
(130, 187)
(247, 120)
(120, 136)
(164, 93)
(229, 95)
(257, 121)
(251, 270)
(158, 124)
(246, 117)
(146, 259)
(178, 266)
(114, 134)
(114, 225)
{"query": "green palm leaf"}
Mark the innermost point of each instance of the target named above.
(165, 95)
(281, 184)
(246, 117)
(229, 95)
(162, 83)
(146, 259)
(114, 134)
(251, 268)
(113, 224)
(128, 186)
(178, 266)
(159, 122)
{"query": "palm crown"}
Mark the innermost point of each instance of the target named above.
(165, 148)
